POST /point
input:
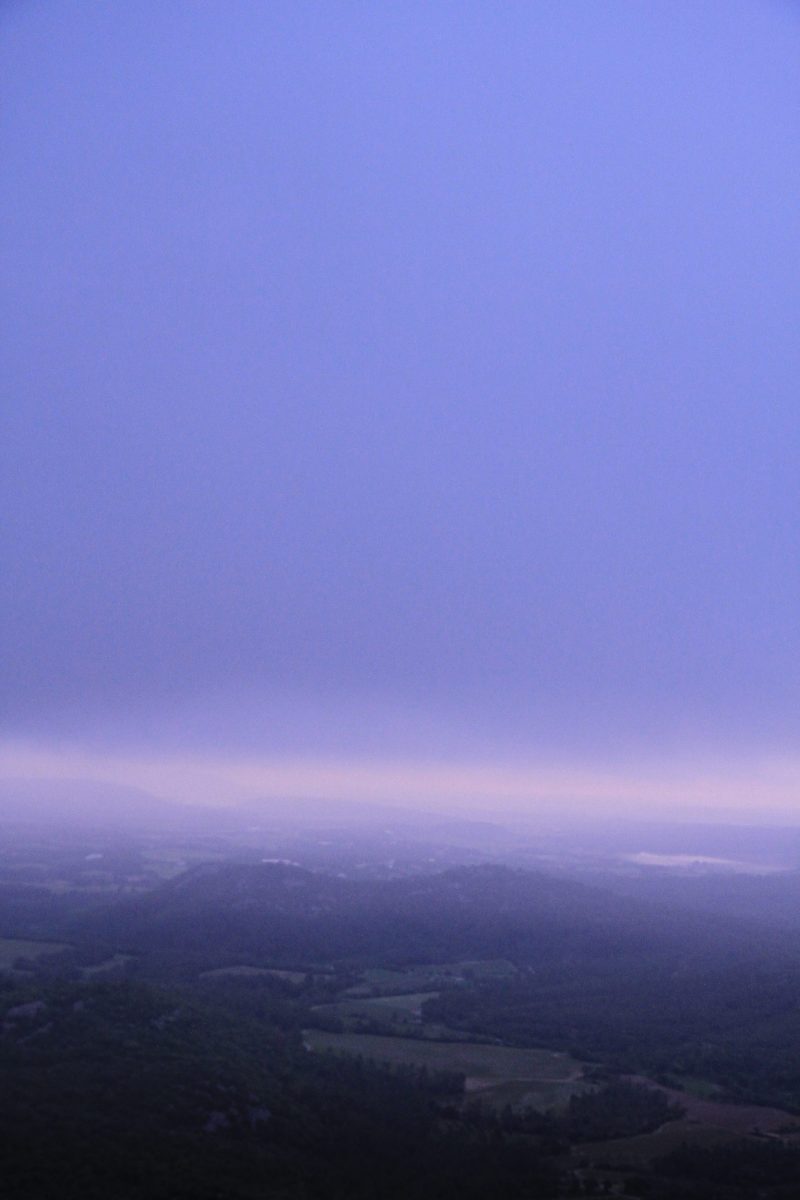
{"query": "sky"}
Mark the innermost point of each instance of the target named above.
(401, 399)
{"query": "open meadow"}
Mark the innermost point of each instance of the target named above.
(13, 948)
(498, 1074)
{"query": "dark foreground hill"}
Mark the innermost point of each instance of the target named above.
(125, 1092)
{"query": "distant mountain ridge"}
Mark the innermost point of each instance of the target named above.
(89, 802)
(287, 913)
(85, 802)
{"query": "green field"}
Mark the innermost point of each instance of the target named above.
(498, 1074)
(13, 948)
(703, 1088)
(403, 1009)
(541, 1094)
(168, 861)
(108, 967)
(482, 968)
(380, 980)
(637, 1152)
(244, 971)
(405, 1002)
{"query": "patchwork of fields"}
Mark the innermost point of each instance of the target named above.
(13, 948)
(381, 980)
(500, 1074)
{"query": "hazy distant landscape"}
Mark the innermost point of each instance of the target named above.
(399, 638)
(258, 992)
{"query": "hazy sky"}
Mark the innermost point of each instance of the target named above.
(403, 383)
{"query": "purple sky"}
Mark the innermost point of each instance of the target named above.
(403, 383)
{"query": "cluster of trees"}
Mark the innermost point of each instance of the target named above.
(618, 1110)
(751, 1166)
(125, 1089)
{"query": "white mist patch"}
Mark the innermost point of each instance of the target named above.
(700, 862)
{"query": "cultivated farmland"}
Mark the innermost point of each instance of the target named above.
(498, 1074)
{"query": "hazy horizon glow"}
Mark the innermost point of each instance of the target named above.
(712, 791)
(404, 400)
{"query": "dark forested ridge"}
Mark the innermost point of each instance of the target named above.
(286, 911)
